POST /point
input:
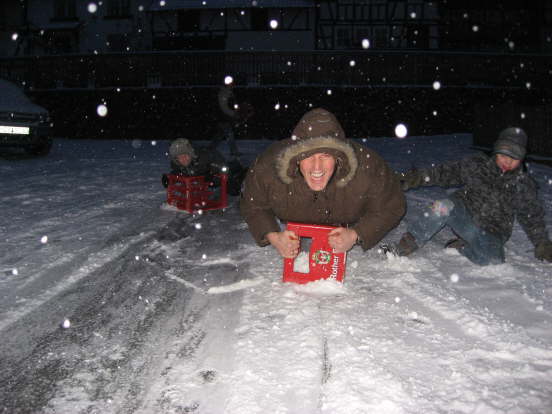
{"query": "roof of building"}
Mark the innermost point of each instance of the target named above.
(160, 5)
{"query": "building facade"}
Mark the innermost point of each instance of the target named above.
(373, 62)
(53, 27)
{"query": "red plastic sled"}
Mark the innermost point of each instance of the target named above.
(195, 193)
(323, 262)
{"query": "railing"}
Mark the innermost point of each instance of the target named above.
(258, 68)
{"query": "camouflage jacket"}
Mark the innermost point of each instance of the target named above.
(493, 198)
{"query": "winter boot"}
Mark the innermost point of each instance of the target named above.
(406, 246)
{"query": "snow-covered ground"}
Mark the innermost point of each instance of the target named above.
(113, 303)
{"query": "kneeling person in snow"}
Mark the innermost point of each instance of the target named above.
(494, 192)
(318, 176)
(188, 161)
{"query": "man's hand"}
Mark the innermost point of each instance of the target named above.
(286, 242)
(342, 239)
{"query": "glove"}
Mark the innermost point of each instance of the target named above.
(543, 251)
(411, 179)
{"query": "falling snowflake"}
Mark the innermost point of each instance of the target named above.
(92, 7)
(44, 239)
(401, 131)
(101, 110)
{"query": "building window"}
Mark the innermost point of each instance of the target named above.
(117, 42)
(361, 34)
(188, 20)
(59, 42)
(381, 38)
(548, 15)
(417, 37)
(415, 11)
(118, 8)
(343, 37)
(379, 12)
(65, 9)
(3, 20)
(259, 19)
(547, 40)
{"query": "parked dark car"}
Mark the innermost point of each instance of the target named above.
(23, 124)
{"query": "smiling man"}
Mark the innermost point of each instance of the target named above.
(494, 192)
(318, 176)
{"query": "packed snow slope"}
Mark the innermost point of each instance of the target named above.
(111, 302)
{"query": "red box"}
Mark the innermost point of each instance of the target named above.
(196, 193)
(323, 262)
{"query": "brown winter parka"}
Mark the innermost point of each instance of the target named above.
(363, 194)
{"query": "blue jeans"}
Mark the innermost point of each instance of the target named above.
(481, 247)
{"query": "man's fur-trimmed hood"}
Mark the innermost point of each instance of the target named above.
(317, 131)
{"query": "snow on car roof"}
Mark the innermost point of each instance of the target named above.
(13, 99)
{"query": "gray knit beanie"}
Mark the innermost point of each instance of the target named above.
(181, 146)
(511, 142)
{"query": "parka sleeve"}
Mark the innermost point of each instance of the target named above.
(255, 206)
(385, 206)
(449, 174)
(530, 213)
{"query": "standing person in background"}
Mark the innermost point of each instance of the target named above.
(494, 192)
(232, 114)
(318, 176)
